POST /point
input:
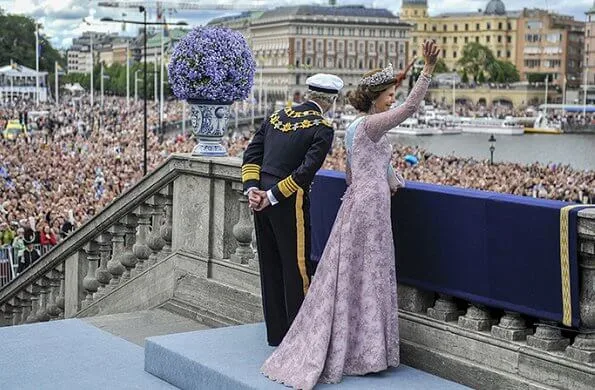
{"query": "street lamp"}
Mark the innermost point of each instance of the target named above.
(92, 61)
(145, 24)
(492, 141)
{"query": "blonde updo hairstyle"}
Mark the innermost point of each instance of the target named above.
(363, 97)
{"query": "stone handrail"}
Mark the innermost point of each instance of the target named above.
(134, 228)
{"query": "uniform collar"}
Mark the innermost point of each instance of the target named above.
(314, 104)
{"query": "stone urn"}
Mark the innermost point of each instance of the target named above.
(209, 123)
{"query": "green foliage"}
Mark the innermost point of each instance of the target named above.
(441, 66)
(478, 60)
(114, 82)
(537, 77)
(17, 43)
(465, 77)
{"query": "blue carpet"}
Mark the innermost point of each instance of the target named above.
(230, 359)
(70, 354)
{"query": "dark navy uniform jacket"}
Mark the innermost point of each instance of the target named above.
(290, 145)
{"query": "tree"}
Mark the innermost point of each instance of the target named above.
(17, 43)
(441, 66)
(475, 59)
(481, 78)
(465, 77)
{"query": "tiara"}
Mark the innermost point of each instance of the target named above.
(384, 76)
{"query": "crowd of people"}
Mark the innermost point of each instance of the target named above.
(79, 159)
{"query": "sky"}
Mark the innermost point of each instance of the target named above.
(62, 19)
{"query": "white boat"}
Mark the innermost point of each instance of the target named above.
(508, 126)
(411, 126)
(544, 126)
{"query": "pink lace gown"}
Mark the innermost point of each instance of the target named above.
(348, 322)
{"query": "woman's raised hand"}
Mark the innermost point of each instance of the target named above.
(430, 51)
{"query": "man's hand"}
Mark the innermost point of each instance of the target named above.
(254, 198)
(264, 201)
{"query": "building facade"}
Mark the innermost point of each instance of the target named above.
(493, 27)
(590, 45)
(535, 41)
(292, 43)
(550, 44)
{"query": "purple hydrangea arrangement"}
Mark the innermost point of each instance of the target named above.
(212, 63)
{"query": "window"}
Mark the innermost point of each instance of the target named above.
(425, 27)
(509, 26)
(509, 39)
(533, 25)
(489, 26)
(381, 48)
(444, 28)
(371, 47)
(477, 39)
(319, 63)
(371, 64)
(433, 28)
(454, 54)
(498, 54)
(466, 27)
(340, 46)
(499, 38)
(309, 44)
(508, 54)
(500, 26)
(444, 40)
(329, 45)
(361, 64)
(340, 63)
(414, 53)
(319, 46)
(488, 39)
(391, 47)
(456, 27)
(298, 45)
(455, 39)
(308, 61)
(466, 39)
(477, 27)
(444, 53)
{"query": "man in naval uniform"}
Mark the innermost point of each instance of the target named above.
(279, 165)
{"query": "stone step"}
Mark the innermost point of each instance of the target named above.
(220, 299)
(230, 358)
(205, 317)
(71, 354)
(137, 326)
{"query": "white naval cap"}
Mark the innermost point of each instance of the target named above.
(322, 82)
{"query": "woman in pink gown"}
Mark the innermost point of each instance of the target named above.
(348, 322)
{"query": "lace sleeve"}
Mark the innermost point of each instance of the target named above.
(377, 125)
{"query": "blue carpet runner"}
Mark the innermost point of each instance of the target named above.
(230, 359)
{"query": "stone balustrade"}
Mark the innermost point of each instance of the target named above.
(183, 237)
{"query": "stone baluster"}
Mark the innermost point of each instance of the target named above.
(44, 290)
(33, 290)
(512, 327)
(477, 318)
(17, 309)
(60, 299)
(128, 258)
(141, 249)
(154, 240)
(114, 266)
(102, 274)
(25, 298)
(90, 282)
(548, 336)
(583, 347)
(413, 299)
(167, 227)
(242, 232)
(54, 289)
(445, 309)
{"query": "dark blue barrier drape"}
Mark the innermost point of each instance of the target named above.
(494, 249)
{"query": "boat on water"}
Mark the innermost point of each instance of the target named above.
(507, 126)
(412, 126)
(544, 126)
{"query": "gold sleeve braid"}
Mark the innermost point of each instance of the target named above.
(288, 186)
(250, 172)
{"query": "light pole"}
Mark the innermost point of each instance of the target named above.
(135, 85)
(492, 141)
(92, 62)
(145, 24)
